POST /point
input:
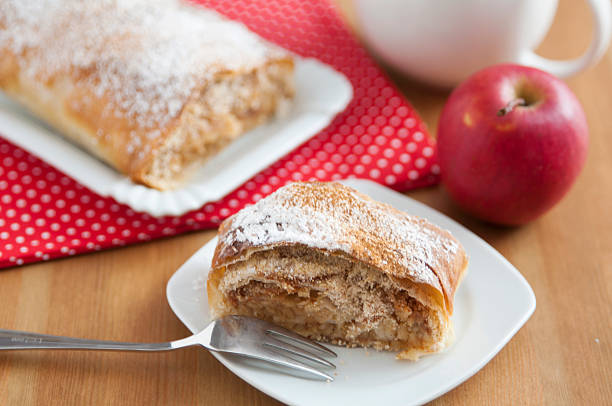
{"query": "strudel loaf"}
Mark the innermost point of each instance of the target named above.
(152, 87)
(332, 264)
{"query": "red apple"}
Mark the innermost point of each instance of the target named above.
(511, 141)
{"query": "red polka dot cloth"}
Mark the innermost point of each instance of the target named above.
(45, 214)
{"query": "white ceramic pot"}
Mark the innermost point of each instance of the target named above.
(444, 41)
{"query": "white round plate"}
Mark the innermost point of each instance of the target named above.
(491, 304)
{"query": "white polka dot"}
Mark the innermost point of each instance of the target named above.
(328, 166)
(420, 163)
(10, 213)
(382, 163)
(375, 173)
(418, 136)
(435, 169)
(20, 239)
(428, 151)
(413, 175)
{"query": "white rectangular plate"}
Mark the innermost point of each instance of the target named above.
(492, 303)
(321, 93)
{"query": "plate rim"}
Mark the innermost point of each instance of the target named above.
(48, 144)
(361, 184)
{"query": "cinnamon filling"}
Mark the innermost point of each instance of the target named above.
(329, 299)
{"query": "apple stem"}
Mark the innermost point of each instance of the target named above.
(510, 106)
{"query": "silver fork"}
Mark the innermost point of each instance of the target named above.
(239, 335)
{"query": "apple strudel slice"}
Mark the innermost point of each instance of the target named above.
(152, 87)
(334, 265)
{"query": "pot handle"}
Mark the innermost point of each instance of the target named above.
(601, 12)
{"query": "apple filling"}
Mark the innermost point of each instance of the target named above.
(330, 299)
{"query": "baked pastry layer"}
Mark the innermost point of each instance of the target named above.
(150, 87)
(334, 265)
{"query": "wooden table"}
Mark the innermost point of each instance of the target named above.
(563, 355)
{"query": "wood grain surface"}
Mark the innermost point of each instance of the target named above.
(563, 355)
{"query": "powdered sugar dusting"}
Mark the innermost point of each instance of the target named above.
(146, 56)
(334, 217)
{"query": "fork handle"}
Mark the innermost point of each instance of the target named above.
(20, 340)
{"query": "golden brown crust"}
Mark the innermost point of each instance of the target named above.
(341, 221)
(93, 98)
